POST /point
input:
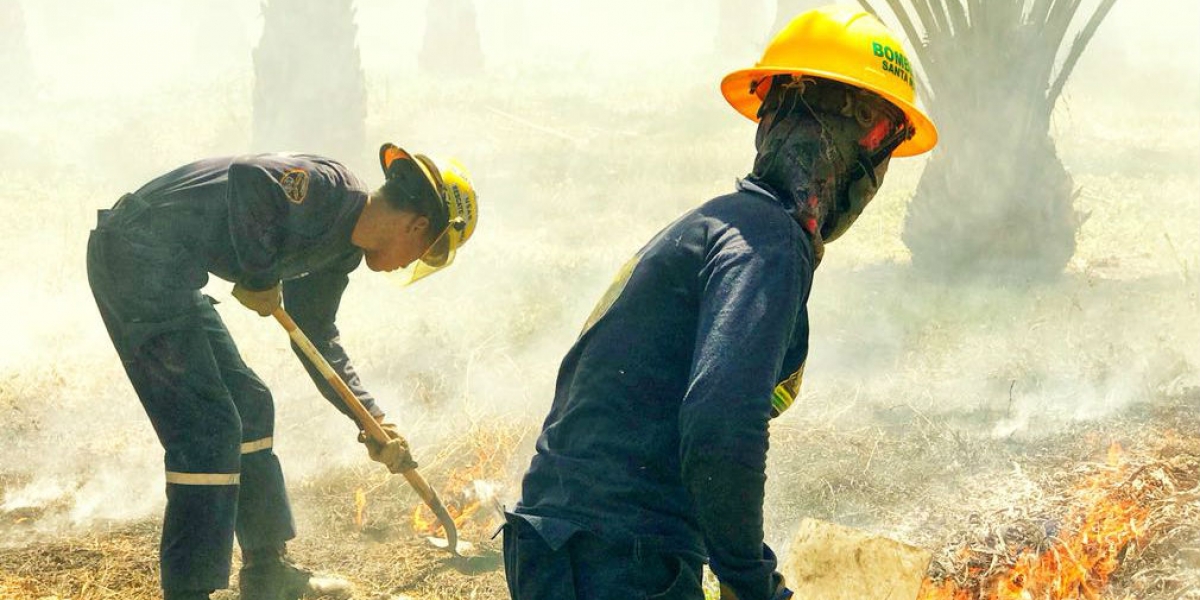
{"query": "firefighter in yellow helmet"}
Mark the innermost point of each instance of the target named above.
(653, 456)
(283, 228)
(831, 71)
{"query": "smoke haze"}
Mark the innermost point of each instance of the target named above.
(591, 126)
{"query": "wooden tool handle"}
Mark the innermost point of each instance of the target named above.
(365, 419)
(368, 423)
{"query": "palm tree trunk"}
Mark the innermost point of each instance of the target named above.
(16, 67)
(451, 47)
(981, 211)
(309, 92)
(995, 200)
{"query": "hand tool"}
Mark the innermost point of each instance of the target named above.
(368, 424)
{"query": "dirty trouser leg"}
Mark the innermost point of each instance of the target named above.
(176, 378)
(264, 517)
(170, 363)
(587, 567)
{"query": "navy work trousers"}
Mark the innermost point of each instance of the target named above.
(213, 415)
(586, 567)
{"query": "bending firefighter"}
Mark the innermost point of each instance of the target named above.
(285, 229)
(653, 457)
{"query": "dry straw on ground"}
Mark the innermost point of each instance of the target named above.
(1133, 519)
(976, 538)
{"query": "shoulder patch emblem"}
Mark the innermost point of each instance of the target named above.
(295, 185)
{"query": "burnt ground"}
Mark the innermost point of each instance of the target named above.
(929, 482)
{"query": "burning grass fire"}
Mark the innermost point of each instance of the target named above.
(470, 490)
(360, 508)
(1080, 523)
(1123, 508)
(469, 473)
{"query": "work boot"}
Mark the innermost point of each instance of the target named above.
(268, 574)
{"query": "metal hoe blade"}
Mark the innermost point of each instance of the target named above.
(434, 503)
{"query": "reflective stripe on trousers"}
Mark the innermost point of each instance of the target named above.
(203, 478)
(257, 445)
(213, 415)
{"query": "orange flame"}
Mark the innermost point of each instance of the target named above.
(425, 522)
(420, 523)
(360, 507)
(1078, 563)
(469, 488)
(1114, 454)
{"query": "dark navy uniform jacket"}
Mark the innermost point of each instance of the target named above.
(658, 430)
(257, 220)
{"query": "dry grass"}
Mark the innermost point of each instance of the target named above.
(982, 505)
(926, 411)
(1137, 520)
(384, 552)
(118, 562)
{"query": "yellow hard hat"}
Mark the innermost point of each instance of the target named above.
(450, 181)
(843, 44)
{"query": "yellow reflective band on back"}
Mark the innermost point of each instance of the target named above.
(256, 445)
(203, 478)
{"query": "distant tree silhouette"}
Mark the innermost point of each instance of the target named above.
(451, 46)
(16, 69)
(995, 199)
(309, 91)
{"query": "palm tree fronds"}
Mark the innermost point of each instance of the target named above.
(1060, 19)
(956, 12)
(1039, 11)
(1077, 48)
(940, 18)
(976, 10)
(925, 17)
(866, 5)
(916, 41)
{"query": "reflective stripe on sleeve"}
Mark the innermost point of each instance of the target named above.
(203, 478)
(787, 391)
(256, 445)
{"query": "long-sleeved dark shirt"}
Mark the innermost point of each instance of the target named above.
(658, 429)
(261, 219)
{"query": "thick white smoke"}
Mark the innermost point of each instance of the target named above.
(595, 125)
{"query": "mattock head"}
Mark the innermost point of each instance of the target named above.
(460, 548)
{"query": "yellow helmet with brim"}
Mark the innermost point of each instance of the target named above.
(843, 44)
(449, 182)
